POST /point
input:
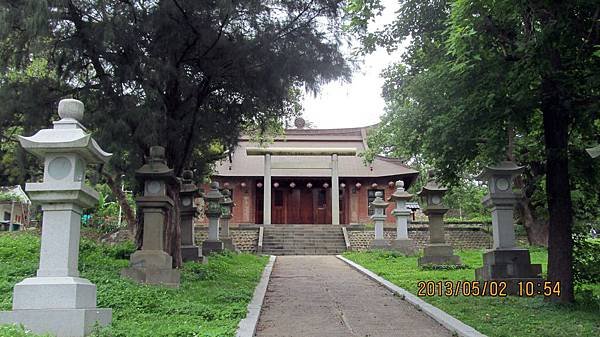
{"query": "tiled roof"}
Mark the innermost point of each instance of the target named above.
(16, 190)
(242, 165)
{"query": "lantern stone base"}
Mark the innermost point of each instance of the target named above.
(439, 254)
(190, 253)
(228, 244)
(404, 246)
(63, 306)
(152, 267)
(54, 293)
(59, 322)
(509, 265)
(379, 244)
(210, 246)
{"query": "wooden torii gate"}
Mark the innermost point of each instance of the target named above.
(297, 151)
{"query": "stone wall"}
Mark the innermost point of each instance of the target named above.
(460, 238)
(245, 240)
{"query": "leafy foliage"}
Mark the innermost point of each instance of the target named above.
(483, 81)
(186, 75)
(9, 196)
(105, 216)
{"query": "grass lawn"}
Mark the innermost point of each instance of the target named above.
(211, 301)
(496, 317)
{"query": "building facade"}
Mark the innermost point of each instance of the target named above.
(301, 186)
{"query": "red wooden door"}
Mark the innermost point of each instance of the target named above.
(293, 206)
(278, 207)
(320, 205)
(306, 207)
(258, 208)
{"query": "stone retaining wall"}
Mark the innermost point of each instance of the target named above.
(460, 238)
(245, 240)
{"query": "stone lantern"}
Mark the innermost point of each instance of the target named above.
(213, 212)
(379, 205)
(187, 213)
(402, 242)
(505, 261)
(57, 300)
(437, 252)
(152, 264)
(226, 215)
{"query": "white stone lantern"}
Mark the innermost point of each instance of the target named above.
(505, 261)
(379, 205)
(437, 251)
(402, 242)
(57, 300)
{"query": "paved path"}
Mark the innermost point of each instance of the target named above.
(314, 296)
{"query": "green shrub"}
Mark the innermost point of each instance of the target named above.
(586, 259)
(16, 331)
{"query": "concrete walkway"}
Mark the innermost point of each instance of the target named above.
(313, 296)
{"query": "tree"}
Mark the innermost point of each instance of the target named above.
(187, 75)
(483, 81)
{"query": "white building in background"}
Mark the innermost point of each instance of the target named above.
(14, 213)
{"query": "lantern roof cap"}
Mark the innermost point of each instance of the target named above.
(379, 202)
(67, 136)
(432, 186)
(400, 193)
(226, 198)
(502, 168)
(156, 165)
(187, 182)
(213, 193)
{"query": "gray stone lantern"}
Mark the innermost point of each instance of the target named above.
(505, 261)
(213, 211)
(402, 242)
(152, 264)
(226, 215)
(437, 252)
(187, 213)
(57, 300)
(379, 205)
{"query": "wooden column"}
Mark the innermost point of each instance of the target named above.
(267, 191)
(335, 191)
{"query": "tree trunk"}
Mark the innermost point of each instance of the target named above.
(558, 192)
(173, 228)
(115, 187)
(536, 229)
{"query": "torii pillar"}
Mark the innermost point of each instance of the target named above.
(333, 153)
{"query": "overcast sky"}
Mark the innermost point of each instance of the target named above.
(359, 103)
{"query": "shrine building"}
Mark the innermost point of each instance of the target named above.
(303, 173)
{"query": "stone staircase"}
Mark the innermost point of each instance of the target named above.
(303, 240)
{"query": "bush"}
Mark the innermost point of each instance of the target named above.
(586, 259)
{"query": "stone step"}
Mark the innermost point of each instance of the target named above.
(303, 240)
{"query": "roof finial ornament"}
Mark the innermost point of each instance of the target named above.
(299, 123)
(70, 108)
